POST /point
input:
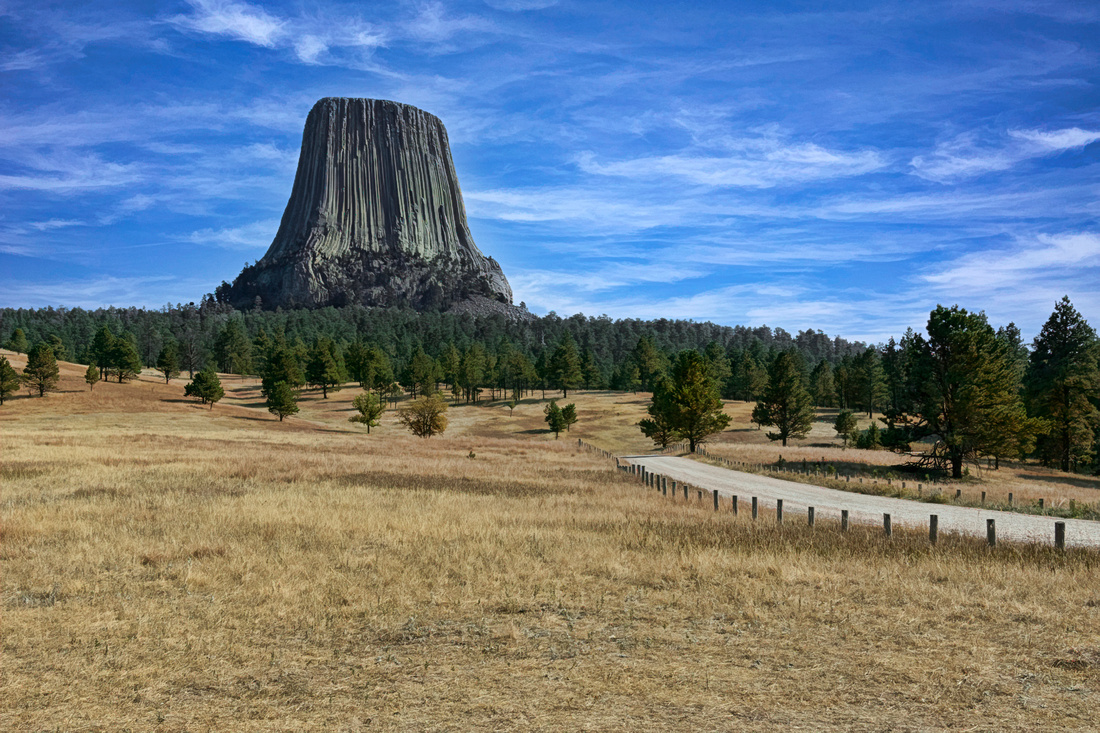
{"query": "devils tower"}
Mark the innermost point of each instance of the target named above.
(375, 218)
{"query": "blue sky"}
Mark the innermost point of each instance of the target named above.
(839, 166)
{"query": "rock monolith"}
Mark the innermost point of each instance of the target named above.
(375, 218)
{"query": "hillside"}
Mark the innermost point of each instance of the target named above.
(172, 567)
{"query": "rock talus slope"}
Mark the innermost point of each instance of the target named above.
(375, 218)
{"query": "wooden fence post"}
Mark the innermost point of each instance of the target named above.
(1010, 498)
(1060, 535)
(991, 532)
(843, 520)
(958, 494)
(779, 511)
(983, 498)
(886, 525)
(673, 489)
(933, 528)
(685, 492)
(1041, 503)
(810, 516)
(735, 505)
(716, 500)
(755, 508)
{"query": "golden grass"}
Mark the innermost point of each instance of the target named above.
(167, 567)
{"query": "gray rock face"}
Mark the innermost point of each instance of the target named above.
(375, 218)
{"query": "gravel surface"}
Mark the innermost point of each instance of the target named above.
(863, 508)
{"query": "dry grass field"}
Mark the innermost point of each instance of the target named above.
(168, 567)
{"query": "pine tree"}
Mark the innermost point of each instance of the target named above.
(748, 379)
(687, 402)
(565, 365)
(651, 362)
(845, 425)
(569, 416)
(91, 376)
(590, 369)
(471, 372)
(59, 351)
(324, 369)
(232, 349)
(103, 344)
(659, 427)
(422, 373)
(41, 372)
(168, 361)
(18, 341)
(281, 365)
(870, 380)
(124, 359)
(822, 386)
(554, 418)
(968, 388)
(261, 347)
(9, 379)
(718, 364)
(370, 410)
(206, 386)
(355, 359)
(869, 439)
(1063, 386)
(282, 400)
(785, 404)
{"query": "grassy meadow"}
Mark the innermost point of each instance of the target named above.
(169, 567)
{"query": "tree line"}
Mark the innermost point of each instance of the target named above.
(971, 390)
(196, 329)
(967, 389)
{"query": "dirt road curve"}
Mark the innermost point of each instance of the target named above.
(864, 508)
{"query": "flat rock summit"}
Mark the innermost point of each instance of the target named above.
(375, 218)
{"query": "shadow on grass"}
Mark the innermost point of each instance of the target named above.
(1083, 482)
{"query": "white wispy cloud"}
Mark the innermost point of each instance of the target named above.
(751, 162)
(1021, 282)
(96, 292)
(61, 173)
(596, 209)
(309, 37)
(966, 156)
(257, 235)
(434, 24)
(520, 5)
(1060, 257)
(237, 20)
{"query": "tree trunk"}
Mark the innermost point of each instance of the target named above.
(956, 464)
(1065, 448)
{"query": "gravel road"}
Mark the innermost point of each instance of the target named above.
(863, 508)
